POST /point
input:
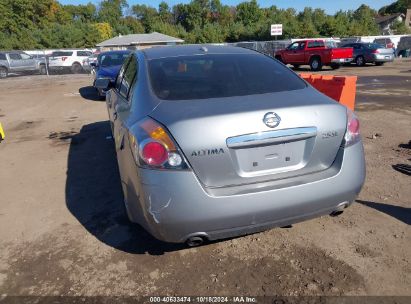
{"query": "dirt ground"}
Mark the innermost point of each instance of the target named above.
(63, 230)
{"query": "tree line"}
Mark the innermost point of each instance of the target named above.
(38, 24)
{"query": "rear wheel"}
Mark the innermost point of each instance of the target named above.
(315, 64)
(279, 59)
(3, 72)
(360, 61)
(379, 63)
(76, 68)
(335, 66)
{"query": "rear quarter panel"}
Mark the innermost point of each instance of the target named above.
(4, 63)
(322, 52)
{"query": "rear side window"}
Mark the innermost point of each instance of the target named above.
(84, 53)
(3, 57)
(315, 44)
(374, 46)
(219, 75)
(15, 56)
(128, 78)
(25, 56)
(61, 53)
(121, 73)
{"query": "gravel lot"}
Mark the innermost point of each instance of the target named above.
(63, 230)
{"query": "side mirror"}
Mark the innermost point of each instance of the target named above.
(93, 64)
(103, 83)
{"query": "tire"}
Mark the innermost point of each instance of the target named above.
(360, 61)
(379, 63)
(3, 72)
(315, 64)
(76, 68)
(335, 66)
(279, 59)
(43, 70)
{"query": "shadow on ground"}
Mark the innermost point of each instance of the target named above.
(90, 93)
(400, 213)
(94, 195)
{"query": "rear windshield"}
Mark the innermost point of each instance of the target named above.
(112, 59)
(61, 53)
(375, 46)
(219, 75)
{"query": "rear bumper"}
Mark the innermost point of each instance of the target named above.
(173, 205)
(342, 60)
(383, 58)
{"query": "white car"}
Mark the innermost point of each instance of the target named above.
(68, 60)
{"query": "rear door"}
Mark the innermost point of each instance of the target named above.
(121, 114)
(16, 62)
(242, 120)
(28, 62)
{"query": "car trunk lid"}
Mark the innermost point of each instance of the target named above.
(227, 143)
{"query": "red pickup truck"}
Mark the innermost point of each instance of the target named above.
(315, 53)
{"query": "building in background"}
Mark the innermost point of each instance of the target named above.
(138, 41)
(386, 22)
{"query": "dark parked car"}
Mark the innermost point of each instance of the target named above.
(370, 53)
(217, 141)
(107, 66)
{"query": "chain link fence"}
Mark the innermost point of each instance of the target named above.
(266, 47)
(78, 61)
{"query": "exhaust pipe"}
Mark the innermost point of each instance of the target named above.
(195, 241)
(340, 209)
(336, 213)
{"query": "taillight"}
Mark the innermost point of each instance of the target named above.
(63, 58)
(375, 51)
(154, 153)
(154, 148)
(352, 134)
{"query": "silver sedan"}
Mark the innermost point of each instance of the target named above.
(215, 142)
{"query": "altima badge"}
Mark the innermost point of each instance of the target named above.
(271, 119)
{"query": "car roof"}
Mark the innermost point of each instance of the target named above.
(16, 51)
(116, 52)
(192, 49)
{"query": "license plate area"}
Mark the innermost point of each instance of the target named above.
(274, 158)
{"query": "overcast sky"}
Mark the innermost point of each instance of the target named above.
(330, 6)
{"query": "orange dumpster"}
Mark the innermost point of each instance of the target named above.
(339, 88)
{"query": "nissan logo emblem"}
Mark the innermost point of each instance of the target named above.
(271, 119)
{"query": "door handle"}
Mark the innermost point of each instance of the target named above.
(120, 145)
